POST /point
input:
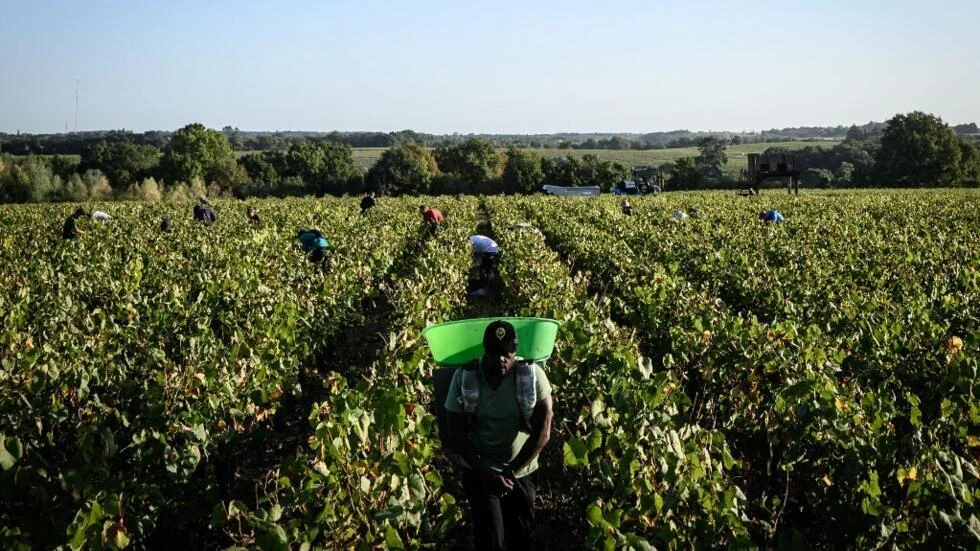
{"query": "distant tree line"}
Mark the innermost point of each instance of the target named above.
(76, 143)
(910, 150)
(198, 161)
(825, 132)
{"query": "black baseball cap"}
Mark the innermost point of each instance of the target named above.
(499, 338)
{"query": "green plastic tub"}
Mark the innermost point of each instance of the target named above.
(460, 342)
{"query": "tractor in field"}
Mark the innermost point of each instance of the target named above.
(643, 180)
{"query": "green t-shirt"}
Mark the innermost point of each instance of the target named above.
(497, 433)
(70, 229)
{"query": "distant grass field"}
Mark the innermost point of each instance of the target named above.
(366, 157)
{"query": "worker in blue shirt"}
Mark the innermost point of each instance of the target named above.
(313, 242)
(771, 215)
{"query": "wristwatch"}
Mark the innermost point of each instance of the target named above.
(508, 472)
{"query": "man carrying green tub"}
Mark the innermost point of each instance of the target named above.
(499, 414)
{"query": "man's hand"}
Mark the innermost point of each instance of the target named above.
(499, 485)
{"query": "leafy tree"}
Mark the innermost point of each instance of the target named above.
(227, 176)
(197, 188)
(970, 163)
(234, 136)
(402, 170)
(96, 185)
(712, 155)
(686, 174)
(970, 128)
(562, 171)
(64, 166)
(406, 137)
(817, 178)
(179, 193)
(262, 168)
(273, 142)
(304, 160)
(199, 152)
(155, 138)
(475, 160)
(14, 186)
(618, 142)
(74, 190)
(337, 171)
(453, 184)
(919, 149)
(855, 133)
(30, 180)
(597, 172)
(522, 172)
(844, 174)
(860, 154)
(292, 186)
(149, 190)
(323, 167)
(590, 170)
(123, 163)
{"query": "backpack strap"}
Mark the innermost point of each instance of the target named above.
(525, 387)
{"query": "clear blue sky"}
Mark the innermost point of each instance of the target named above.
(498, 67)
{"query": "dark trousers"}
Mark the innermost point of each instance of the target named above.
(505, 522)
(487, 263)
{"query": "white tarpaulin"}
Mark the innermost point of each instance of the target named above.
(566, 191)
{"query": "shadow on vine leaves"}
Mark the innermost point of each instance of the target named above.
(238, 468)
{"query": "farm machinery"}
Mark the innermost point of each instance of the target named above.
(643, 179)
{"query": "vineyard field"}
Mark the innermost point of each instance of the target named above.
(718, 381)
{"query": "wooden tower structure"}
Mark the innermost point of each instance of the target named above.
(780, 165)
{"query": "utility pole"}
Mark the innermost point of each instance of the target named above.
(76, 105)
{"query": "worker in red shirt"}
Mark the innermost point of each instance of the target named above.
(431, 218)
